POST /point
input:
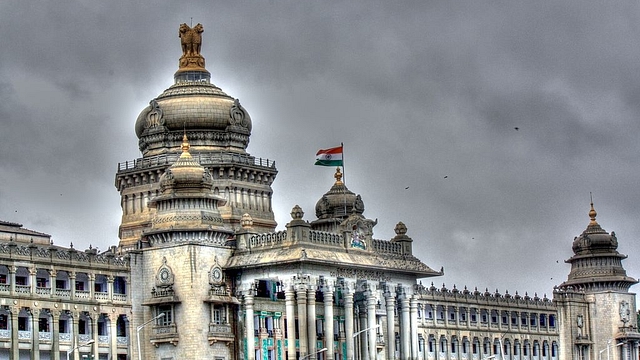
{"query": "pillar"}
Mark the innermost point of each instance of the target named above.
(113, 336)
(248, 325)
(391, 319)
(348, 321)
(301, 291)
(289, 296)
(72, 283)
(371, 323)
(414, 326)
(14, 353)
(32, 279)
(55, 334)
(12, 279)
(362, 337)
(35, 334)
(92, 288)
(311, 321)
(52, 283)
(328, 321)
(94, 333)
(74, 335)
(405, 338)
(110, 280)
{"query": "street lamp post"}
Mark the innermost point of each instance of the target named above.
(77, 347)
(316, 353)
(360, 332)
(140, 328)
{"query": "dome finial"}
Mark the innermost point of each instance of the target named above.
(592, 212)
(185, 145)
(338, 176)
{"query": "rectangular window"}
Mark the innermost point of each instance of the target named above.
(167, 319)
(21, 280)
(61, 284)
(4, 322)
(41, 282)
(474, 317)
(3, 279)
(218, 314)
(453, 348)
(43, 325)
(63, 326)
(79, 286)
(23, 323)
(474, 348)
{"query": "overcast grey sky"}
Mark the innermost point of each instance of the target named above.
(424, 95)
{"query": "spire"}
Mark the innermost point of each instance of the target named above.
(592, 215)
(185, 145)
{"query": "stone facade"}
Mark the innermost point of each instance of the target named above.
(201, 273)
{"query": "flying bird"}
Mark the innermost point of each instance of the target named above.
(517, 128)
(446, 176)
(406, 188)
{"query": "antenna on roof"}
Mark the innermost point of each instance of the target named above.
(191, 22)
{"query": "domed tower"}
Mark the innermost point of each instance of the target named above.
(218, 128)
(596, 264)
(336, 205)
(596, 310)
(186, 209)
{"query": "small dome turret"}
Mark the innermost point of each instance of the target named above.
(339, 202)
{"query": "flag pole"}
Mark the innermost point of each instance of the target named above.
(344, 181)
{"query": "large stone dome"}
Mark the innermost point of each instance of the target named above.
(208, 115)
(212, 119)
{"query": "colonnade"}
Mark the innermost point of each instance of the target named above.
(54, 317)
(356, 312)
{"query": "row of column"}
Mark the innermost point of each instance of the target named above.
(479, 311)
(52, 281)
(14, 353)
(300, 301)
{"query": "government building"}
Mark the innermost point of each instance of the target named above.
(200, 271)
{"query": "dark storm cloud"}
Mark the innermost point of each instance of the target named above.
(425, 95)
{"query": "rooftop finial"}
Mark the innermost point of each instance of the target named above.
(338, 176)
(185, 143)
(592, 212)
(191, 41)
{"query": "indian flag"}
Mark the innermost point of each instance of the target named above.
(329, 157)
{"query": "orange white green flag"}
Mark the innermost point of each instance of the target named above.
(329, 157)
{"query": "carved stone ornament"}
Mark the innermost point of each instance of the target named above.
(191, 41)
(625, 312)
(154, 117)
(164, 276)
(237, 114)
(216, 276)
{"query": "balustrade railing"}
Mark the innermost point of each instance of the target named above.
(65, 337)
(24, 334)
(44, 336)
(164, 330)
(82, 294)
(103, 339)
(101, 296)
(23, 289)
(84, 338)
(63, 293)
(43, 290)
(5, 334)
(120, 297)
(5, 287)
(122, 340)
